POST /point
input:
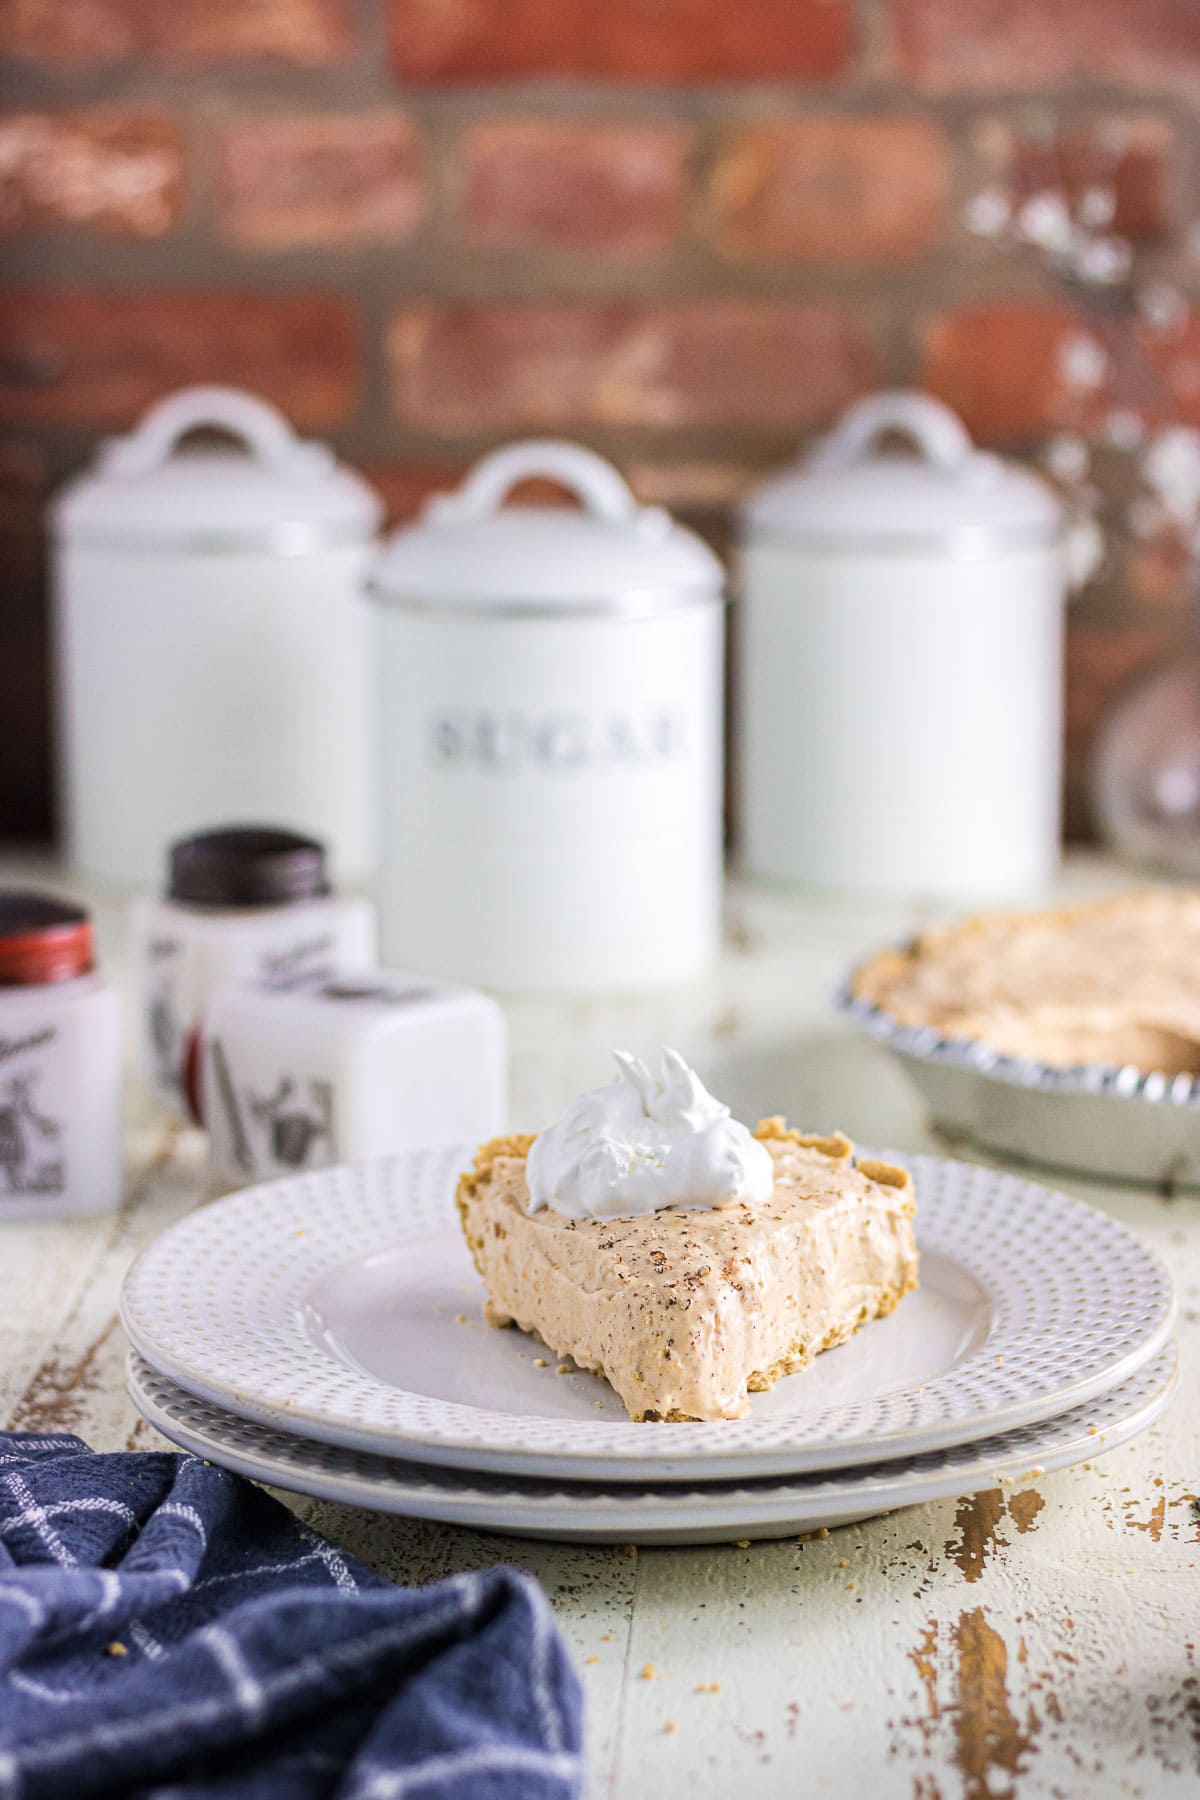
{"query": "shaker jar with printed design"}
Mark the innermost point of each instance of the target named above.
(362, 1066)
(248, 902)
(550, 702)
(60, 1063)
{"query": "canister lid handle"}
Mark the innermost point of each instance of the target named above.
(593, 481)
(261, 427)
(938, 433)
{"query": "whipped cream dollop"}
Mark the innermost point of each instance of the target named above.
(643, 1143)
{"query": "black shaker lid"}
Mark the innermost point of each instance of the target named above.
(247, 865)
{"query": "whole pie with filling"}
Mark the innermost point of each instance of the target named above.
(687, 1312)
(1114, 982)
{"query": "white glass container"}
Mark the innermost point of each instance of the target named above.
(1146, 770)
(550, 727)
(353, 1068)
(60, 1064)
(245, 903)
(899, 705)
(212, 639)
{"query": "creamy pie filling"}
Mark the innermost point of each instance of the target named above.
(1113, 981)
(688, 1312)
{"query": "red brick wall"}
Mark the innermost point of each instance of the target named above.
(685, 230)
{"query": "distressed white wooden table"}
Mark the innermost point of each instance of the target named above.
(1040, 1642)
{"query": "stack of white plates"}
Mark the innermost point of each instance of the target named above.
(324, 1334)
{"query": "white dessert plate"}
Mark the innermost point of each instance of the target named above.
(633, 1513)
(343, 1306)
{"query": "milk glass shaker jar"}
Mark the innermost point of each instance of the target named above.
(212, 638)
(550, 733)
(248, 902)
(361, 1066)
(900, 667)
(60, 1064)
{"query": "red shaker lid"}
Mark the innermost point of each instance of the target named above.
(42, 939)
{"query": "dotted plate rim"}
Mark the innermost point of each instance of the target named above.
(1078, 1303)
(722, 1509)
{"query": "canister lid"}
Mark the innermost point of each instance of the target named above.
(276, 492)
(949, 495)
(246, 865)
(469, 553)
(42, 939)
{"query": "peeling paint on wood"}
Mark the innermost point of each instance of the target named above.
(977, 1522)
(1070, 1673)
(1152, 1525)
(924, 1661)
(991, 1744)
(57, 1397)
(1024, 1508)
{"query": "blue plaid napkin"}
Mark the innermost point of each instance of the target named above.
(169, 1630)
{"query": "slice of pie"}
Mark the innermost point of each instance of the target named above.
(1112, 981)
(688, 1312)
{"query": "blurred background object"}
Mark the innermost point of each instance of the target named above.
(900, 703)
(369, 1065)
(1147, 763)
(688, 233)
(1147, 781)
(550, 689)
(247, 904)
(60, 1047)
(212, 639)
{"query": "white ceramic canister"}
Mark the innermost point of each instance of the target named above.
(899, 705)
(360, 1067)
(212, 638)
(550, 727)
(246, 903)
(60, 1064)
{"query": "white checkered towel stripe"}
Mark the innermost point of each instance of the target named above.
(169, 1630)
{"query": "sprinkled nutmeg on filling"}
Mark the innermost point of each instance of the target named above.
(687, 1310)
